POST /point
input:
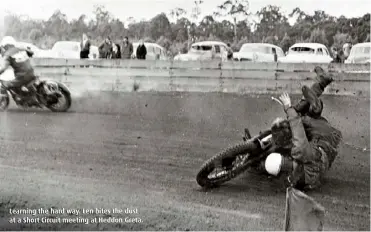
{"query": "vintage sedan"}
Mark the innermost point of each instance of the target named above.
(307, 53)
(258, 52)
(154, 51)
(71, 50)
(359, 54)
(206, 50)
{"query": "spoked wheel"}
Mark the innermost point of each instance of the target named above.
(226, 165)
(62, 101)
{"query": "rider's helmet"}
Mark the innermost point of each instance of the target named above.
(276, 163)
(8, 41)
(281, 133)
(273, 163)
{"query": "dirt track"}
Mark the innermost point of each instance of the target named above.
(143, 151)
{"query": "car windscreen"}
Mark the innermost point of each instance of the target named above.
(360, 51)
(201, 48)
(302, 50)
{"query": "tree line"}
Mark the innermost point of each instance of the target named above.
(230, 23)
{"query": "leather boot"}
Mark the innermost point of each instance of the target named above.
(323, 78)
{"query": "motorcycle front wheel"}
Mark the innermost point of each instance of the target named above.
(62, 101)
(232, 162)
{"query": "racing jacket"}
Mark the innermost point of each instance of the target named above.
(19, 60)
(314, 155)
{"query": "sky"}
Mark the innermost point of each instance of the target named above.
(147, 9)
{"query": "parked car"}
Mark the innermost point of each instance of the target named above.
(206, 50)
(307, 53)
(38, 53)
(258, 52)
(154, 51)
(71, 50)
(359, 54)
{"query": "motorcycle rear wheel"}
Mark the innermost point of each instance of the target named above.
(227, 156)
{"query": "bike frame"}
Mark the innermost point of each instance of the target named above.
(263, 142)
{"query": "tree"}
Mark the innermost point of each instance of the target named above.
(159, 26)
(35, 34)
(207, 26)
(196, 10)
(225, 30)
(138, 30)
(300, 15)
(177, 13)
(340, 39)
(164, 42)
(286, 43)
(101, 14)
(234, 9)
(243, 30)
(180, 30)
(56, 24)
(272, 23)
(318, 36)
(129, 21)
(102, 25)
(12, 25)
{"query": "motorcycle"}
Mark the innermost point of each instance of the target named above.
(50, 94)
(236, 159)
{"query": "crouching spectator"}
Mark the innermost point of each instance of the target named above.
(105, 49)
(116, 51)
(141, 51)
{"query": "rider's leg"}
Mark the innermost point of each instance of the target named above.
(326, 136)
(31, 89)
(309, 103)
(13, 84)
(18, 82)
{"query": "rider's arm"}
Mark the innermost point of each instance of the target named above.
(301, 151)
(5, 65)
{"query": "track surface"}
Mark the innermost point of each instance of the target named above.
(143, 150)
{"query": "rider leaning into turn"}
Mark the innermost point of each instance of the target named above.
(19, 60)
(306, 136)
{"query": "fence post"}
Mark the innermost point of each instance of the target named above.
(221, 81)
(171, 81)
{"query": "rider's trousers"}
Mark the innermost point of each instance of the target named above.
(19, 81)
(302, 107)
